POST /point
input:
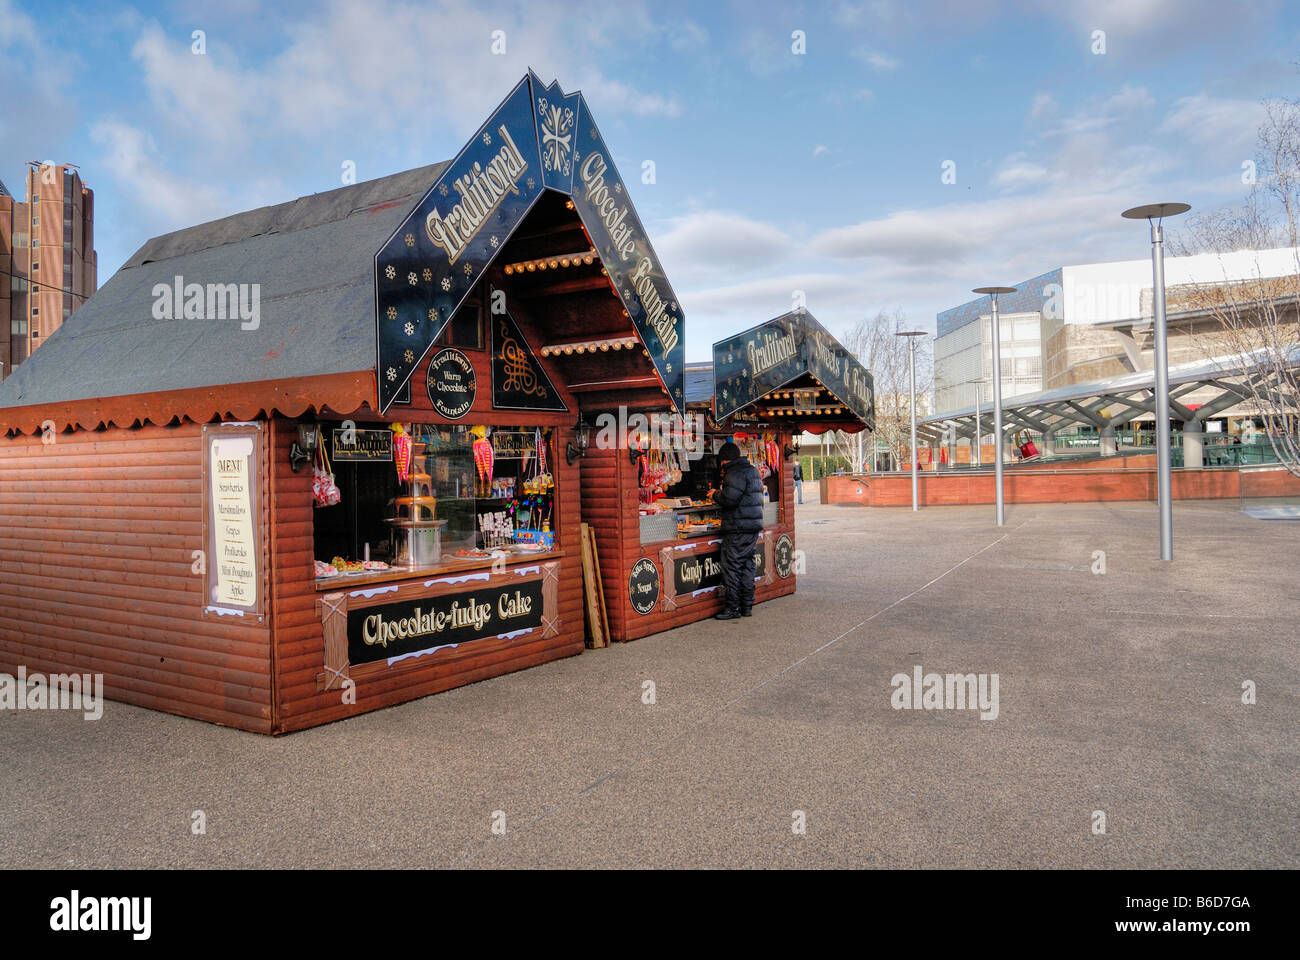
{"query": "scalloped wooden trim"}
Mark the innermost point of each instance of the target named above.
(343, 393)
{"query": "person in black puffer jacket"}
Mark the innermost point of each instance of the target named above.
(741, 499)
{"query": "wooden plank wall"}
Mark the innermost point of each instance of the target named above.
(609, 505)
(97, 536)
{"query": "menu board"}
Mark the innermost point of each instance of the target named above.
(231, 560)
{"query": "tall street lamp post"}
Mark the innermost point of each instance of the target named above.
(997, 398)
(911, 352)
(1154, 214)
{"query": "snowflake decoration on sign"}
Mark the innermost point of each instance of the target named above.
(592, 131)
(531, 183)
(391, 374)
(410, 239)
(468, 269)
(442, 188)
(487, 139)
(409, 356)
(412, 279)
(672, 304)
(494, 241)
(557, 136)
(392, 313)
(433, 315)
(577, 157)
(446, 283)
(428, 274)
(668, 368)
(409, 328)
(390, 271)
(618, 188)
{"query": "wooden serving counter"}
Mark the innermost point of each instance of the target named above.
(457, 565)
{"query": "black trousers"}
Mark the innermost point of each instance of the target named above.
(738, 569)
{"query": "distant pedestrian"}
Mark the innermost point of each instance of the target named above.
(798, 480)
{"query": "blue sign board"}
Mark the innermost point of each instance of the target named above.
(539, 138)
(634, 269)
(752, 364)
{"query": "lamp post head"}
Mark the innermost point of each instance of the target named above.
(1155, 211)
(994, 290)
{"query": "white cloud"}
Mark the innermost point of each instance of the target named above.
(1130, 99)
(340, 69)
(1017, 171)
(144, 179)
(1043, 106)
(710, 243)
(687, 35)
(192, 92)
(615, 98)
(864, 96)
(820, 149)
(1224, 126)
(877, 60)
(1141, 29)
(37, 105)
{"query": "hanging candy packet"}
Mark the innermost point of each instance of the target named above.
(324, 491)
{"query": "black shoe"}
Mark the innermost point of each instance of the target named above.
(746, 612)
(727, 615)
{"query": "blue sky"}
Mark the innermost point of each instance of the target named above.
(775, 171)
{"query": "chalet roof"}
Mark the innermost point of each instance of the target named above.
(312, 261)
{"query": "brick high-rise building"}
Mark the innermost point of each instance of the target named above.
(48, 266)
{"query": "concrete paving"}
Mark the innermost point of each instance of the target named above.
(1119, 692)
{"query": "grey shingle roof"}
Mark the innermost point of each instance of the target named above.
(313, 259)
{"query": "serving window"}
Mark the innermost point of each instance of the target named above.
(417, 498)
(676, 493)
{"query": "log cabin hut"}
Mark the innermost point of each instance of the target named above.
(430, 341)
(647, 496)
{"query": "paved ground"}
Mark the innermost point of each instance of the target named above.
(1119, 692)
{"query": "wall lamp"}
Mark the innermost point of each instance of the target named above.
(582, 434)
(634, 448)
(303, 449)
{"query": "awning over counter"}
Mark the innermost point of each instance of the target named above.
(792, 370)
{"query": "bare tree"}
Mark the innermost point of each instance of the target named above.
(1257, 317)
(872, 340)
